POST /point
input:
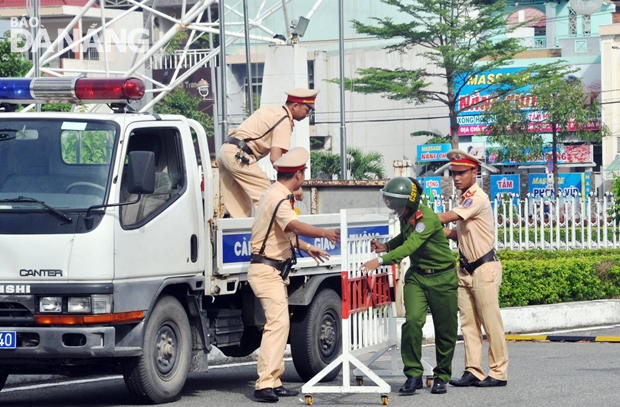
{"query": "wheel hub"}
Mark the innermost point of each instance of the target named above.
(328, 336)
(166, 349)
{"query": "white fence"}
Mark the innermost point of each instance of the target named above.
(547, 222)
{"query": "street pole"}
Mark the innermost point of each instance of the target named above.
(214, 91)
(343, 130)
(248, 61)
(221, 11)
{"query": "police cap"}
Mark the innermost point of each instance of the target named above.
(462, 161)
(302, 95)
(293, 161)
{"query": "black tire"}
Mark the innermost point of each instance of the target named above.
(316, 337)
(158, 376)
(3, 377)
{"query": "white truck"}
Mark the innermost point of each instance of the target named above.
(111, 259)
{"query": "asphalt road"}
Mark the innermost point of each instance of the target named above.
(551, 374)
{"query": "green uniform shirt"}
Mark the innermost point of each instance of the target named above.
(422, 239)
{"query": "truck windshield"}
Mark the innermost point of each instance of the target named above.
(63, 163)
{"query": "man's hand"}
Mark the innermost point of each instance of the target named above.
(299, 194)
(317, 254)
(370, 266)
(333, 235)
(378, 247)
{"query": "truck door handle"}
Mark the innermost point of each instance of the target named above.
(193, 244)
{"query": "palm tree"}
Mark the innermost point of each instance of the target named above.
(365, 166)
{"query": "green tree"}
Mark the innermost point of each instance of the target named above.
(362, 166)
(461, 38)
(12, 64)
(365, 166)
(325, 163)
(182, 103)
(561, 106)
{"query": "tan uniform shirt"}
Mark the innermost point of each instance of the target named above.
(476, 230)
(259, 122)
(278, 245)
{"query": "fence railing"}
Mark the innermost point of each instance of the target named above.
(547, 222)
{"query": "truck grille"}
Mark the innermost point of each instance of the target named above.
(14, 312)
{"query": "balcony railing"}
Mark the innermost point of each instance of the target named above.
(172, 60)
(536, 42)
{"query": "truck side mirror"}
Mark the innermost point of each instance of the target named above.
(141, 172)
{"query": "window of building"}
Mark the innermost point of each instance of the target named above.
(587, 25)
(572, 22)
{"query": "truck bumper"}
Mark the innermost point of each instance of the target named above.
(66, 342)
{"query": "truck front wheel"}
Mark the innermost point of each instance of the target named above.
(316, 337)
(159, 375)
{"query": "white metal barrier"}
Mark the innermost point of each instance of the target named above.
(550, 223)
(368, 320)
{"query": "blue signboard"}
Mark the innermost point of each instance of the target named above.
(236, 247)
(504, 184)
(433, 152)
(568, 183)
(432, 189)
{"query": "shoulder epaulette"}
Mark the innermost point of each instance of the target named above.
(418, 214)
(468, 193)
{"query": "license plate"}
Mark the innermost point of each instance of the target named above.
(8, 339)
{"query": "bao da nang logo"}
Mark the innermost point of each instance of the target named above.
(22, 40)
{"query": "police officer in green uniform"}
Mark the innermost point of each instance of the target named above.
(431, 281)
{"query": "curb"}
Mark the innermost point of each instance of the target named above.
(551, 317)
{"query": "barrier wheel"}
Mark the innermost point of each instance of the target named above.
(429, 381)
(308, 399)
(360, 380)
(384, 399)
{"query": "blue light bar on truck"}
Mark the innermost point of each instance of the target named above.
(69, 90)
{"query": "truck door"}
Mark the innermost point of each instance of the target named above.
(158, 236)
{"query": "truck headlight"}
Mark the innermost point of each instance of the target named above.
(102, 303)
(78, 305)
(50, 304)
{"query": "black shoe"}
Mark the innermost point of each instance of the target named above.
(411, 385)
(491, 382)
(282, 392)
(266, 395)
(439, 386)
(468, 379)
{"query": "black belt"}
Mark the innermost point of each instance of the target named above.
(239, 143)
(471, 267)
(434, 271)
(257, 258)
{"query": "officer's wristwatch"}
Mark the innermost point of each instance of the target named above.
(380, 260)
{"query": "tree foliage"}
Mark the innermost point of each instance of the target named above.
(362, 166)
(461, 38)
(12, 64)
(182, 103)
(560, 106)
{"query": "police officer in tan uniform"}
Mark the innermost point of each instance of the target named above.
(267, 275)
(267, 131)
(480, 275)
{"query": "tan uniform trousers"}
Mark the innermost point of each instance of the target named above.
(270, 289)
(242, 184)
(479, 306)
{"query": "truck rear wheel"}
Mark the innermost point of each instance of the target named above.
(316, 338)
(159, 375)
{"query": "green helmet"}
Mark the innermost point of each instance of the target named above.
(402, 192)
